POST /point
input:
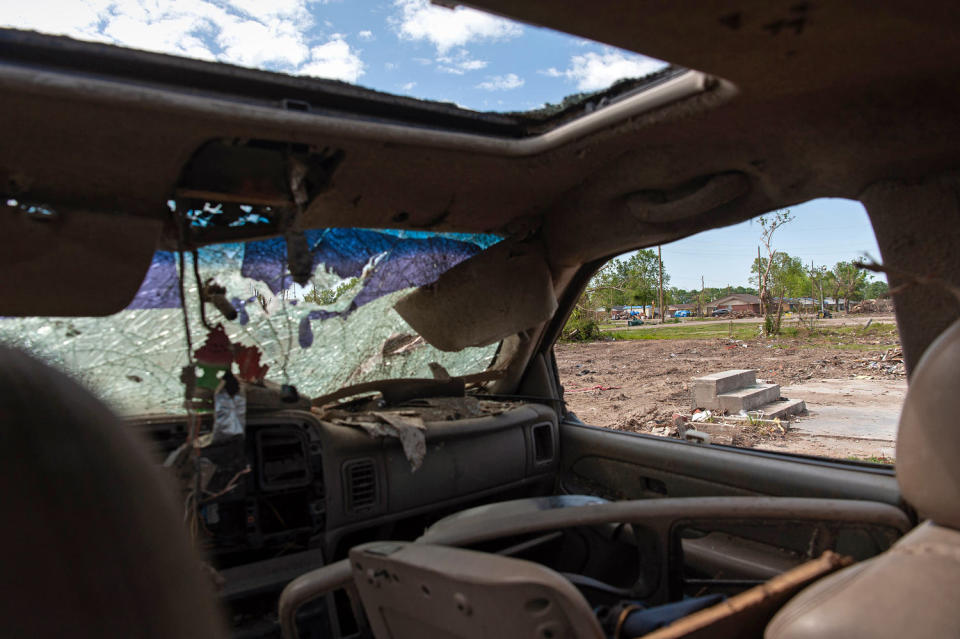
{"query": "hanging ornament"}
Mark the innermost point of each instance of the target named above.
(213, 358)
(248, 364)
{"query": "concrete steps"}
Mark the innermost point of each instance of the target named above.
(784, 408)
(737, 390)
(749, 397)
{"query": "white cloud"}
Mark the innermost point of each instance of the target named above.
(271, 34)
(250, 43)
(501, 82)
(366, 34)
(594, 71)
(459, 63)
(408, 86)
(78, 18)
(335, 60)
(446, 28)
(267, 10)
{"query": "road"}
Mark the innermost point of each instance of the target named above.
(846, 320)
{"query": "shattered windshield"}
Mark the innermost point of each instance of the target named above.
(339, 329)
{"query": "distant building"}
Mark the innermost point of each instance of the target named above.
(736, 303)
(673, 308)
(807, 304)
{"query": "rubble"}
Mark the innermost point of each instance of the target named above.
(873, 306)
(889, 363)
(655, 380)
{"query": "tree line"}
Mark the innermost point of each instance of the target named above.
(634, 282)
(638, 280)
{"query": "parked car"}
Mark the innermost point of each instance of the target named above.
(402, 435)
(720, 312)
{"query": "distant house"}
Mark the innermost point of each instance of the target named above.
(738, 302)
(807, 304)
(673, 308)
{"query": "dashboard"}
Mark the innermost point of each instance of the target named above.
(297, 489)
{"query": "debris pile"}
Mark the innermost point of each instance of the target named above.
(744, 429)
(890, 362)
(873, 306)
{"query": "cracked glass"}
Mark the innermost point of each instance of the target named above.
(339, 329)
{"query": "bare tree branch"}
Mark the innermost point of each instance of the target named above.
(911, 279)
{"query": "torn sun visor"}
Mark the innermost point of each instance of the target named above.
(339, 329)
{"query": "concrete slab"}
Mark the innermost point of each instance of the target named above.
(749, 398)
(850, 408)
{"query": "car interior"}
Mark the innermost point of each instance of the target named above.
(439, 487)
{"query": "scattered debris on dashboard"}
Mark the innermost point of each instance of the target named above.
(409, 422)
(406, 426)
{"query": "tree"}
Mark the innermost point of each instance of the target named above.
(624, 282)
(325, 296)
(876, 289)
(818, 278)
(847, 280)
(786, 277)
(769, 226)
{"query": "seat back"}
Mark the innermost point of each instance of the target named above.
(421, 590)
(911, 590)
(93, 542)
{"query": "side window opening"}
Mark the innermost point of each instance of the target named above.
(766, 335)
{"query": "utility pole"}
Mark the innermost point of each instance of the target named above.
(760, 285)
(663, 314)
(700, 299)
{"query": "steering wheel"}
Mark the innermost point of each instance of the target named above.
(653, 522)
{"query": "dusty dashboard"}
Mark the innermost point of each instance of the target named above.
(298, 482)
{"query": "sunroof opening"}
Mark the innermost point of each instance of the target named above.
(405, 47)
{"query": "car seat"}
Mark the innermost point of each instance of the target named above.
(93, 543)
(911, 590)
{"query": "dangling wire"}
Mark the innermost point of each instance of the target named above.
(196, 275)
(286, 317)
(183, 303)
(191, 506)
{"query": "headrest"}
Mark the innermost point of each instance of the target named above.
(928, 442)
(94, 537)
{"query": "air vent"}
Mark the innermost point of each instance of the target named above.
(283, 459)
(542, 443)
(360, 483)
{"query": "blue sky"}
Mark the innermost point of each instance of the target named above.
(825, 231)
(408, 47)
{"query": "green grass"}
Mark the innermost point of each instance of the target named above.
(861, 347)
(832, 337)
(711, 331)
(873, 459)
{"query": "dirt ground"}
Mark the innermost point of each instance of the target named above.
(640, 385)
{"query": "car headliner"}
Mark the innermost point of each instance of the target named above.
(816, 100)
